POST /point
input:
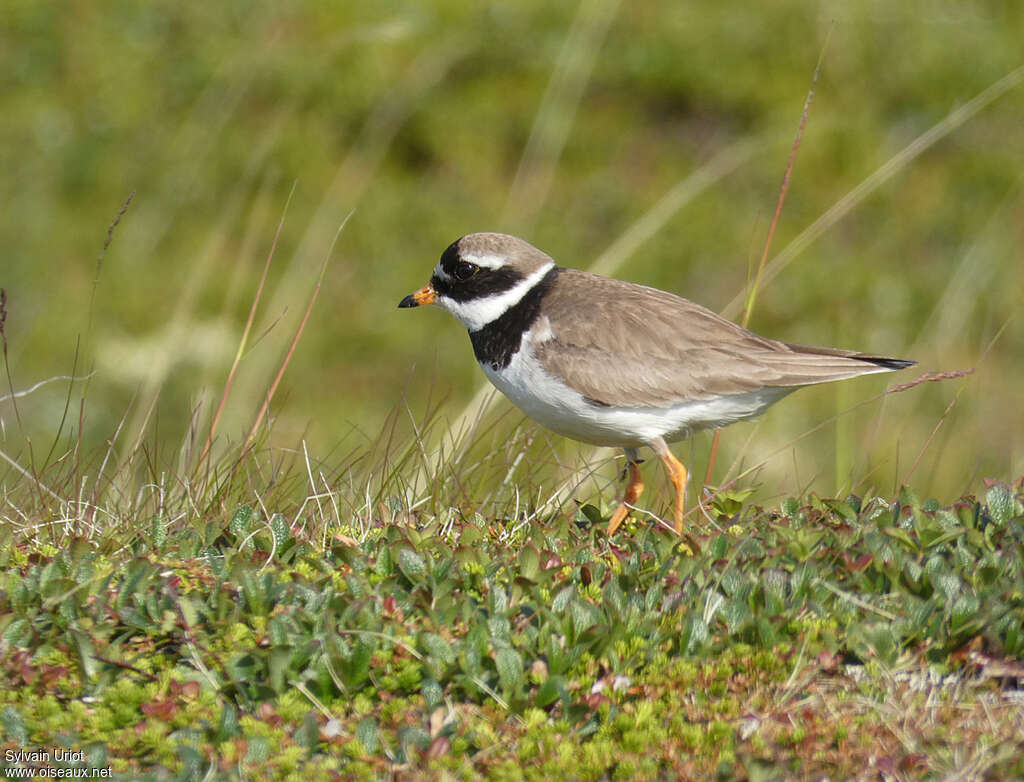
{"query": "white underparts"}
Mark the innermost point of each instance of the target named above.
(552, 403)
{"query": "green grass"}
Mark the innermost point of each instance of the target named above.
(569, 124)
(377, 578)
(253, 624)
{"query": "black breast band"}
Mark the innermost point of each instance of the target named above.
(498, 341)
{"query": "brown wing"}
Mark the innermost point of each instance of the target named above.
(623, 344)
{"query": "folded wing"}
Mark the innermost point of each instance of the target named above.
(621, 344)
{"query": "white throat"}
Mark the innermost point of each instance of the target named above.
(477, 313)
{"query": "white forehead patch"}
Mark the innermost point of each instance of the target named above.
(477, 313)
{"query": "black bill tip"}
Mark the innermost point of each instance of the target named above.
(408, 301)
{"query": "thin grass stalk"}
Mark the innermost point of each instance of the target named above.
(554, 118)
(295, 340)
(783, 190)
(229, 383)
(927, 377)
(880, 176)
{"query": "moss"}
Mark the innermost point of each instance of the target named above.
(292, 706)
(153, 736)
(720, 733)
(635, 740)
(253, 727)
(679, 707)
(625, 769)
(410, 676)
(692, 736)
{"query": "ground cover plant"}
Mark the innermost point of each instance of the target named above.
(647, 141)
(253, 526)
(226, 633)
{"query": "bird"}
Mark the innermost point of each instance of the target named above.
(615, 363)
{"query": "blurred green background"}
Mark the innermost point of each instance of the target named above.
(566, 123)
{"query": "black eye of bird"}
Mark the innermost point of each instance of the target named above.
(465, 270)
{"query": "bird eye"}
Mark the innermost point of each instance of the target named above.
(465, 270)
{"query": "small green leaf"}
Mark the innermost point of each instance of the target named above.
(366, 732)
(736, 614)
(499, 627)
(280, 657)
(718, 547)
(241, 520)
(939, 539)
(510, 667)
(158, 527)
(227, 726)
(947, 582)
(14, 725)
(902, 536)
(874, 639)
(529, 563)
(653, 598)
(188, 611)
(86, 653)
(432, 694)
(191, 761)
(614, 597)
(499, 598)
(964, 609)
(582, 618)
(563, 599)
(414, 736)
(18, 632)
(411, 564)
(908, 498)
(1000, 504)
(551, 690)
(253, 592)
(308, 733)
(472, 535)
(842, 509)
(695, 632)
(356, 668)
(383, 564)
(438, 647)
(279, 526)
(259, 750)
(52, 573)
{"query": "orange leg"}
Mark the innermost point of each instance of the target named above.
(634, 489)
(677, 475)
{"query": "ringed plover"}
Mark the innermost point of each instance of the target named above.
(614, 363)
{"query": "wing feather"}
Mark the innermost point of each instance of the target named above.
(622, 344)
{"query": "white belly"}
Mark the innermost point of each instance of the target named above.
(563, 410)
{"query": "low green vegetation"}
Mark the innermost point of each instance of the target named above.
(440, 601)
(579, 126)
(847, 639)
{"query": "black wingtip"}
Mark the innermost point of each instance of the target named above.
(888, 363)
(407, 302)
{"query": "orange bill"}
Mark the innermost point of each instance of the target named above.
(424, 295)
